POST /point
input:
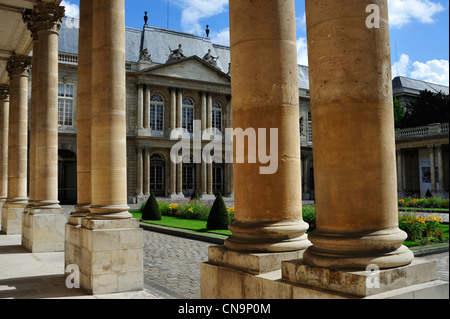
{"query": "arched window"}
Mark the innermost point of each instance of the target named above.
(188, 115)
(157, 113)
(157, 182)
(217, 115)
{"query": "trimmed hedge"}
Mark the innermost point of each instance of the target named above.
(151, 209)
(218, 216)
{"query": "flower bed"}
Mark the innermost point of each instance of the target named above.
(433, 202)
(422, 230)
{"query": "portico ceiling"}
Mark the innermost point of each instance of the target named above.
(14, 36)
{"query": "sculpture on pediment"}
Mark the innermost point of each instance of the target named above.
(176, 54)
(144, 56)
(210, 58)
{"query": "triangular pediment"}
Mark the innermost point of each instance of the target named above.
(191, 68)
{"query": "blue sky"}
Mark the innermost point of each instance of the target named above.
(419, 29)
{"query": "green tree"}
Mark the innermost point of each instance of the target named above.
(399, 113)
(427, 108)
(218, 216)
(151, 209)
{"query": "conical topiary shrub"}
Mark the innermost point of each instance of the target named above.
(428, 194)
(218, 216)
(151, 209)
(195, 196)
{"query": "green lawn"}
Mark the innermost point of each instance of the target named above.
(185, 224)
(199, 226)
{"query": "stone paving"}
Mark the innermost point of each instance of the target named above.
(172, 265)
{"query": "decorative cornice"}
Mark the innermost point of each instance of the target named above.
(18, 64)
(44, 17)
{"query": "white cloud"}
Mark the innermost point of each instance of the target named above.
(222, 37)
(434, 71)
(402, 12)
(195, 10)
(72, 10)
(302, 51)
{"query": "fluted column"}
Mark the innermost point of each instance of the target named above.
(84, 106)
(432, 169)
(4, 127)
(356, 186)
(265, 95)
(109, 166)
(46, 19)
(18, 69)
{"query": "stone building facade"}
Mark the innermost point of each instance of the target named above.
(165, 91)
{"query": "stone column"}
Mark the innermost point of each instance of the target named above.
(354, 142)
(4, 127)
(209, 180)
(84, 106)
(265, 95)
(179, 180)
(441, 173)
(110, 237)
(139, 173)
(33, 108)
(173, 108)
(147, 102)
(73, 233)
(399, 171)
(179, 108)
(109, 193)
(209, 111)
(433, 169)
(147, 171)
(140, 106)
(43, 226)
(173, 180)
(18, 69)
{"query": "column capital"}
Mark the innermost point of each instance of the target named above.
(4, 92)
(44, 17)
(18, 64)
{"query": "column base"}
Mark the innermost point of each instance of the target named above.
(236, 276)
(108, 253)
(43, 230)
(358, 250)
(268, 237)
(11, 219)
(176, 196)
(418, 280)
(205, 196)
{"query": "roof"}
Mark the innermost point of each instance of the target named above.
(405, 84)
(157, 41)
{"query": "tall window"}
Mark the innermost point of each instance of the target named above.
(157, 113)
(188, 115)
(217, 115)
(157, 184)
(310, 137)
(65, 104)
